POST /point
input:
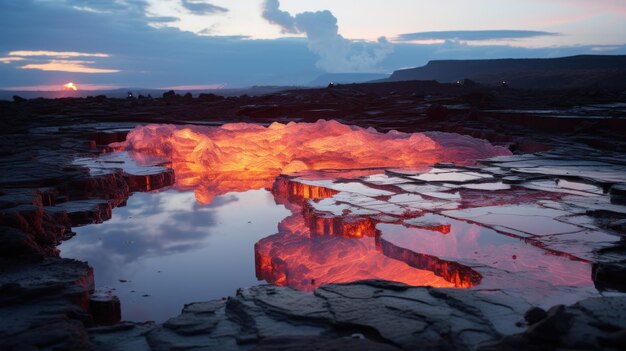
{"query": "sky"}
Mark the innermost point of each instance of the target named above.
(186, 44)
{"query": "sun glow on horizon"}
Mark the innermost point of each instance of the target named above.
(70, 86)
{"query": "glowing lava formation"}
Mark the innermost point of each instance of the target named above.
(70, 86)
(243, 156)
(372, 237)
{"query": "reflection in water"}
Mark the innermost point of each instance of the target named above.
(309, 252)
(315, 248)
(459, 275)
(167, 246)
(479, 246)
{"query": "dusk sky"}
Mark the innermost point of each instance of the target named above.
(220, 43)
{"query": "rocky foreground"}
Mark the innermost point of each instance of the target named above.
(374, 315)
(46, 301)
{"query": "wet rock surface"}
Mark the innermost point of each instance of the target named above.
(44, 305)
(592, 324)
(374, 315)
(574, 185)
(367, 315)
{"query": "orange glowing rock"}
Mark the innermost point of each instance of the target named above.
(318, 244)
(70, 86)
(208, 158)
(285, 189)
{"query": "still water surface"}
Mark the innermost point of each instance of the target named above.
(163, 249)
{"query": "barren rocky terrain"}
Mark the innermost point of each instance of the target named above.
(568, 166)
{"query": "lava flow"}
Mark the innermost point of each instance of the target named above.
(243, 156)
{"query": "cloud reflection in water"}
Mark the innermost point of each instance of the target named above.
(175, 250)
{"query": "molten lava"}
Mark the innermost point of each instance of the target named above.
(70, 86)
(243, 156)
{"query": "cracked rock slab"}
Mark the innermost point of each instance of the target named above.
(366, 315)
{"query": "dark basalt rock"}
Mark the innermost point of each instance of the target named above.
(375, 315)
(210, 97)
(18, 99)
(618, 194)
(436, 111)
(609, 275)
(548, 330)
(591, 324)
(122, 336)
(368, 315)
(25, 227)
(83, 212)
(618, 225)
(15, 242)
(312, 343)
(44, 304)
(513, 180)
(534, 315)
(169, 95)
(105, 307)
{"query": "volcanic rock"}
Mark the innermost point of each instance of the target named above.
(618, 194)
(210, 98)
(169, 95)
(105, 307)
(591, 324)
(436, 111)
(15, 242)
(18, 99)
(44, 304)
(534, 315)
(609, 275)
(355, 316)
(374, 315)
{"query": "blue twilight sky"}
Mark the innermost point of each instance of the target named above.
(228, 43)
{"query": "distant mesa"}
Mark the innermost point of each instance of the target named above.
(600, 71)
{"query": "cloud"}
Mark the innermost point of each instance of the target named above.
(336, 53)
(59, 61)
(274, 15)
(160, 57)
(107, 6)
(8, 60)
(472, 35)
(202, 8)
(68, 66)
(195, 87)
(59, 54)
(163, 19)
(146, 56)
(56, 87)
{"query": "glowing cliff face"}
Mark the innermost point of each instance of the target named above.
(242, 156)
